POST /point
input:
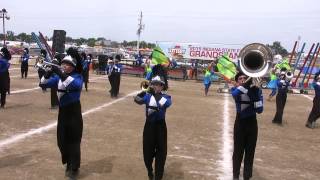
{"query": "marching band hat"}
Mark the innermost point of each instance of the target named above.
(118, 57)
(157, 80)
(68, 59)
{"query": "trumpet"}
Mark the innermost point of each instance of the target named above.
(45, 65)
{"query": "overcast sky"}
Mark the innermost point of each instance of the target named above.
(201, 21)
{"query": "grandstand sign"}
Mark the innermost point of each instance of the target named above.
(199, 51)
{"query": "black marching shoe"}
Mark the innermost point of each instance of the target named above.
(68, 169)
(310, 125)
(150, 175)
(73, 174)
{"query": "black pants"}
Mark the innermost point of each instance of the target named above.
(281, 99)
(315, 112)
(3, 95)
(54, 97)
(244, 138)
(111, 79)
(41, 72)
(24, 70)
(4, 87)
(85, 75)
(69, 134)
(155, 146)
(116, 84)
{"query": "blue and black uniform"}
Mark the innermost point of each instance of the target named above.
(70, 124)
(315, 112)
(114, 76)
(4, 80)
(85, 72)
(281, 99)
(24, 65)
(155, 131)
(249, 101)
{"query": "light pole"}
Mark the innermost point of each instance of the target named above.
(4, 14)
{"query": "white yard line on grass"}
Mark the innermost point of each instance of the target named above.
(225, 164)
(306, 96)
(35, 88)
(14, 68)
(18, 137)
(29, 75)
(24, 90)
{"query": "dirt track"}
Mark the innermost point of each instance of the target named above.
(112, 138)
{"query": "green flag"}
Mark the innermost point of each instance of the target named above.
(226, 67)
(283, 64)
(158, 56)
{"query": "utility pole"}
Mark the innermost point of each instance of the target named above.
(140, 28)
(4, 14)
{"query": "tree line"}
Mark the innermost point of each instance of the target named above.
(100, 41)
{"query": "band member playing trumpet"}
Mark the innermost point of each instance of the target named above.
(5, 56)
(155, 129)
(249, 101)
(315, 112)
(24, 63)
(69, 81)
(281, 97)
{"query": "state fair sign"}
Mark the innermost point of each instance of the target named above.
(199, 51)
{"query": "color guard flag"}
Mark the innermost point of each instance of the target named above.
(158, 56)
(226, 67)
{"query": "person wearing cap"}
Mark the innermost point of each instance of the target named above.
(24, 63)
(249, 102)
(315, 112)
(68, 80)
(117, 68)
(5, 56)
(155, 128)
(281, 98)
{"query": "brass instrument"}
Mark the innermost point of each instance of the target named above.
(144, 85)
(255, 60)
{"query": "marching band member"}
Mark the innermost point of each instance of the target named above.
(281, 97)
(5, 56)
(315, 112)
(155, 129)
(89, 60)
(117, 68)
(39, 62)
(39, 65)
(70, 125)
(85, 70)
(248, 101)
(24, 63)
(109, 69)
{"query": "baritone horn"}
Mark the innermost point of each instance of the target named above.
(255, 60)
(144, 85)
